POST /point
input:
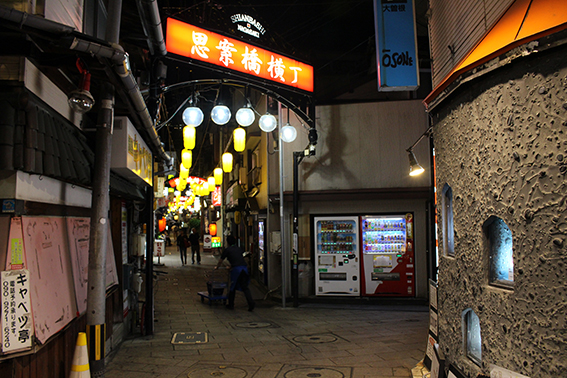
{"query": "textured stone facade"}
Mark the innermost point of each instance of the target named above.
(501, 145)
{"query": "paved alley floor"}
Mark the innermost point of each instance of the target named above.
(311, 341)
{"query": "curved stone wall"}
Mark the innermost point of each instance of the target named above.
(501, 144)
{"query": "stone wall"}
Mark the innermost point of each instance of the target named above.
(501, 144)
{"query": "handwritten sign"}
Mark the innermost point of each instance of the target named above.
(17, 321)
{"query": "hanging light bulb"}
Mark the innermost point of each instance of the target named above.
(239, 137)
(220, 115)
(189, 133)
(289, 133)
(218, 176)
(267, 123)
(227, 162)
(193, 116)
(186, 158)
(211, 182)
(245, 116)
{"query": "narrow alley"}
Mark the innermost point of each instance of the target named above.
(313, 340)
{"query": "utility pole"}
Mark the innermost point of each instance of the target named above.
(99, 230)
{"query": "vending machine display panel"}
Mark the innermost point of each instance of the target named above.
(337, 255)
(387, 255)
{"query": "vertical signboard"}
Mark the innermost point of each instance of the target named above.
(17, 322)
(396, 45)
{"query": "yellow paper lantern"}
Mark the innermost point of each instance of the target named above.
(239, 136)
(189, 135)
(227, 162)
(217, 173)
(186, 158)
(205, 187)
(183, 172)
(211, 180)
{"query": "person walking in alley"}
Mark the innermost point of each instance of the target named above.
(239, 276)
(195, 246)
(182, 244)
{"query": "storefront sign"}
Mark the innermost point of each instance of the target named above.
(248, 25)
(216, 196)
(200, 44)
(396, 45)
(17, 321)
(131, 156)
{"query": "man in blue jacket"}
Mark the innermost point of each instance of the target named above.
(239, 276)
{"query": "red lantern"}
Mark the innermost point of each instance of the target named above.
(213, 229)
(161, 224)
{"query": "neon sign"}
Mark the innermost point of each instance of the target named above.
(200, 44)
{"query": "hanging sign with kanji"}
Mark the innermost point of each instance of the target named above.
(17, 320)
(203, 45)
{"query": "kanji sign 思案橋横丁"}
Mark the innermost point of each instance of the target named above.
(200, 44)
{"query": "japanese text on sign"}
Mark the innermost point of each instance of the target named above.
(196, 43)
(17, 329)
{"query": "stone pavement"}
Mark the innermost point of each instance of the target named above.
(324, 339)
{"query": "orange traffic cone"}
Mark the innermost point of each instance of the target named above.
(80, 366)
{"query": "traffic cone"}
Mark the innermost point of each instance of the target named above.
(80, 366)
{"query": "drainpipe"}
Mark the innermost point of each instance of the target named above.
(100, 49)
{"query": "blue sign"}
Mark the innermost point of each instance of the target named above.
(396, 45)
(9, 206)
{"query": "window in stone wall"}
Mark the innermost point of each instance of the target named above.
(471, 331)
(500, 252)
(447, 217)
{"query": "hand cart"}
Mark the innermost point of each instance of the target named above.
(217, 286)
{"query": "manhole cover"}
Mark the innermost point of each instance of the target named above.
(254, 325)
(190, 338)
(315, 339)
(314, 372)
(220, 371)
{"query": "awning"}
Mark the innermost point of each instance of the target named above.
(524, 21)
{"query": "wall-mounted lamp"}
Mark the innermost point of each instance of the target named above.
(81, 100)
(415, 168)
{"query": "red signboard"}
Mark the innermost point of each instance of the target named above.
(200, 44)
(216, 196)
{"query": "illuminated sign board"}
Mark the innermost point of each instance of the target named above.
(396, 45)
(200, 44)
(216, 196)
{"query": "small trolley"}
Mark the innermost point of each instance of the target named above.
(217, 283)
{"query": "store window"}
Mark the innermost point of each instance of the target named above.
(447, 217)
(471, 331)
(500, 252)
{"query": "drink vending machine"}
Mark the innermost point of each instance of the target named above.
(337, 256)
(387, 255)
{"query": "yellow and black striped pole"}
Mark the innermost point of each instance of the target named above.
(96, 337)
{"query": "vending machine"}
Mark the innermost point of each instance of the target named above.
(337, 256)
(387, 266)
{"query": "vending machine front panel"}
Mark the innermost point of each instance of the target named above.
(387, 255)
(337, 256)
